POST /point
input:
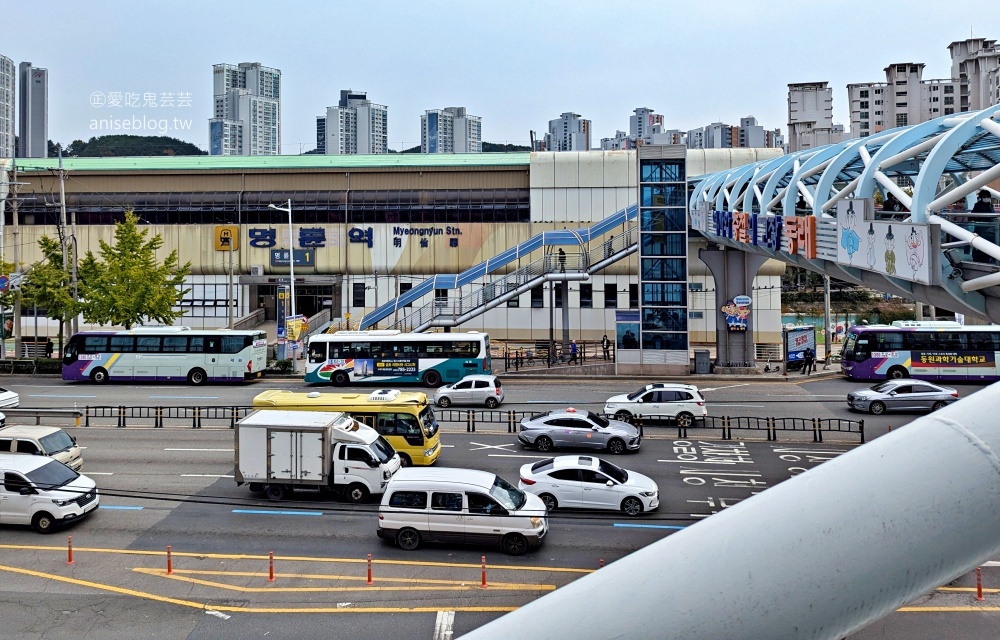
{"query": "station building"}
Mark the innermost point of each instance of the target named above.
(365, 229)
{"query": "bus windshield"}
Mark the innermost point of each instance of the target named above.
(428, 422)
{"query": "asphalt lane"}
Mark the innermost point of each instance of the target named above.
(173, 487)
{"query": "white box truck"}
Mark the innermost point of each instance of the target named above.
(278, 452)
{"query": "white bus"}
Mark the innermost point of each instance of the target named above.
(166, 354)
(392, 356)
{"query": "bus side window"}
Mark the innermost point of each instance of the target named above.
(407, 425)
(122, 344)
(197, 344)
(386, 424)
(317, 352)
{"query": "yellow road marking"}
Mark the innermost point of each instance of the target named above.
(967, 589)
(440, 585)
(946, 609)
(236, 556)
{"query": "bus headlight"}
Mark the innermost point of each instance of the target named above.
(429, 452)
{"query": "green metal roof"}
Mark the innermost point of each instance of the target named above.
(217, 163)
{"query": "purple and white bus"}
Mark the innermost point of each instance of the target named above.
(946, 351)
(166, 354)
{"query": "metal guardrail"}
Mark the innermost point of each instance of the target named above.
(222, 416)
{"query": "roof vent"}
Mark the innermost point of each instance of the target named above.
(383, 395)
(313, 394)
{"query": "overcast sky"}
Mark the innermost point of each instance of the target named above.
(517, 64)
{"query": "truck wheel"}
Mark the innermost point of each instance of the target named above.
(408, 539)
(43, 523)
(276, 491)
(357, 493)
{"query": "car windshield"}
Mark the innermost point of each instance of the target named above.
(883, 386)
(635, 396)
(51, 475)
(428, 422)
(598, 420)
(383, 450)
(56, 442)
(618, 474)
(509, 496)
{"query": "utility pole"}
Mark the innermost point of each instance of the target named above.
(229, 304)
(17, 266)
(828, 342)
(62, 236)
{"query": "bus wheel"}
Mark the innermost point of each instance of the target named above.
(432, 379)
(197, 377)
(340, 378)
(895, 373)
(99, 375)
(404, 460)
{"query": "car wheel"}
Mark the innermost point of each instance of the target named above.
(550, 501)
(357, 493)
(896, 373)
(876, 408)
(404, 460)
(408, 539)
(99, 375)
(492, 403)
(543, 443)
(197, 377)
(43, 523)
(616, 446)
(276, 492)
(444, 402)
(939, 405)
(514, 544)
(624, 416)
(632, 506)
(684, 419)
(340, 378)
(432, 379)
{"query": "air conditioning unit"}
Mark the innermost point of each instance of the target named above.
(257, 270)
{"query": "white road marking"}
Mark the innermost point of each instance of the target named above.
(444, 625)
(203, 475)
(732, 386)
(55, 395)
(100, 473)
(227, 450)
(217, 614)
(758, 406)
(812, 395)
(447, 446)
(515, 455)
(187, 397)
(480, 446)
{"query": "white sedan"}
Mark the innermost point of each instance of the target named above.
(588, 482)
(9, 399)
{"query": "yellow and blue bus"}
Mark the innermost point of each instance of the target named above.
(392, 357)
(405, 418)
(165, 354)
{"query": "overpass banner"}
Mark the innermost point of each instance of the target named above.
(898, 249)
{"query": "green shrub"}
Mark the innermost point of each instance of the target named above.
(279, 366)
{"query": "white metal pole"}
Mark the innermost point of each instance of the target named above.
(291, 269)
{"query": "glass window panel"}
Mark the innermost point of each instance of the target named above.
(122, 344)
(664, 295)
(662, 171)
(663, 195)
(148, 344)
(664, 320)
(664, 341)
(610, 296)
(664, 244)
(663, 220)
(586, 296)
(664, 269)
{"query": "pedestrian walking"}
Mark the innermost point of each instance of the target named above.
(606, 346)
(807, 361)
(572, 353)
(562, 261)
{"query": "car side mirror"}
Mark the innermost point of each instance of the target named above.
(610, 483)
(892, 393)
(593, 428)
(26, 491)
(372, 463)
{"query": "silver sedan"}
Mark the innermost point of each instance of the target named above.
(901, 395)
(572, 428)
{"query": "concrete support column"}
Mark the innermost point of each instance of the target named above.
(734, 272)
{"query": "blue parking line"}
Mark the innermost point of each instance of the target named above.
(120, 508)
(268, 512)
(649, 526)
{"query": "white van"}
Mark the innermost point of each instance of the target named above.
(42, 492)
(40, 440)
(460, 506)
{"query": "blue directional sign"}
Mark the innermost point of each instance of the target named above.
(4, 283)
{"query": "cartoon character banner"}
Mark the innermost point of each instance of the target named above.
(737, 311)
(899, 249)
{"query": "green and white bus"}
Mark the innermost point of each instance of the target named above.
(382, 357)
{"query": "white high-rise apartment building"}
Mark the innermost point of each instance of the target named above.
(568, 133)
(905, 98)
(8, 73)
(33, 112)
(645, 127)
(810, 116)
(247, 118)
(355, 126)
(450, 130)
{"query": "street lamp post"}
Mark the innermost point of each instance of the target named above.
(291, 260)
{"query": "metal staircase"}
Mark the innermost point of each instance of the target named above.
(451, 312)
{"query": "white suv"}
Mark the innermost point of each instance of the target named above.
(682, 402)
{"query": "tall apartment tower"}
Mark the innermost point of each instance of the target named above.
(355, 126)
(450, 130)
(247, 118)
(33, 112)
(570, 132)
(8, 73)
(975, 63)
(644, 123)
(810, 116)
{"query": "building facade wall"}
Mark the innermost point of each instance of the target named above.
(8, 83)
